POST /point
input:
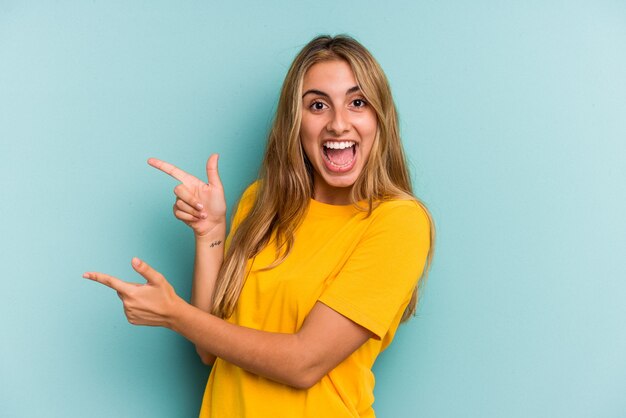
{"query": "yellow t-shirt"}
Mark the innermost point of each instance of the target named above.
(362, 267)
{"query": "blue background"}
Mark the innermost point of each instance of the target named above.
(514, 120)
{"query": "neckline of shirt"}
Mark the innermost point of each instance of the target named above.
(317, 207)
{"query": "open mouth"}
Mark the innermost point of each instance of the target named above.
(339, 155)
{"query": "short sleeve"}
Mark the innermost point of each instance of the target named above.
(378, 278)
(243, 208)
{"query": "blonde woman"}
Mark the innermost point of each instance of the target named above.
(323, 258)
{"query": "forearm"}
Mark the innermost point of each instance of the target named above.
(276, 356)
(208, 260)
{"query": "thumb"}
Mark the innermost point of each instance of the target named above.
(151, 275)
(211, 171)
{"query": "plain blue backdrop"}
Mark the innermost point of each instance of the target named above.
(514, 120)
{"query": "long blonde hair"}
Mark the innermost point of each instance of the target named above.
(286, 176)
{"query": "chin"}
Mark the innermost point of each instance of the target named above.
(340, 183)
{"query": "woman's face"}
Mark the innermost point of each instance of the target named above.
(338, 129)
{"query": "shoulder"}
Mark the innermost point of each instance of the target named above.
(402, 213)
(245, 203)
(399, 224)
(249, 195)
(251, 191)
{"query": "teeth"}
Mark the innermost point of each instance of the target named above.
(338, 144)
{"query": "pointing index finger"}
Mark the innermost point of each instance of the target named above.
(109, 281)
(170, 169)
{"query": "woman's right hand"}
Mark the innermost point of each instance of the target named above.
(200, 205)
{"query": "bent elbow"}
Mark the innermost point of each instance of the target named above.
(305, 379)
(303, 384)
(206, 358)
(304, 370)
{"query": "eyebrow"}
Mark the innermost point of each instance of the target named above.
(321, 93)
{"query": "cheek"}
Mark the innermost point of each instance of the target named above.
(369, 130)
(307, 144)
(373, 124)
(309, 133)
(309, 126)
(369, 127)
(306, 148)
(367, 151)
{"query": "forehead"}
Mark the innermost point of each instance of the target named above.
(329, 76)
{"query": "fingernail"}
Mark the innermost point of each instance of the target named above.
(86, 276)
(136, 262)
(200, 206)
(203, 215)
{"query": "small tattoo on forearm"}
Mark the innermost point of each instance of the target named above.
(215, 244)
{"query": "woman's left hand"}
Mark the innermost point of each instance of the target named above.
(152, 304)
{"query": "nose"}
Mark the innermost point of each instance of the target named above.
(339, 123)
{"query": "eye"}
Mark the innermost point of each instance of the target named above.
(359, 103)
(317, 106)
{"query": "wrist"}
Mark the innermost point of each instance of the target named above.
(181, 318)
(214, 241)
(217, 233)
(176, 312)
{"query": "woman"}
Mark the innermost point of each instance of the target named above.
(323, 257)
